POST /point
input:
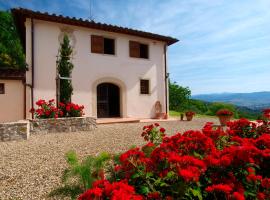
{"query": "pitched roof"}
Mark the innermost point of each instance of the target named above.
(20, 14)
(13, 74)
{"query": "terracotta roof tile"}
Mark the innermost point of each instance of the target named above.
(20, 14)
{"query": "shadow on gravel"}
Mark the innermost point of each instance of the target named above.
(67, 191)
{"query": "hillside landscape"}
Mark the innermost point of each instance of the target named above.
(253, 101)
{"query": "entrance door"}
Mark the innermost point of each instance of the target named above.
(108, 100)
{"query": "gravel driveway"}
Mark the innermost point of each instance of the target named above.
(32, 169)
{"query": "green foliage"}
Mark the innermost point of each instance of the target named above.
(214, 107)
(178, 97)
(85, 172)
(11, 51)
(210, 109)
(64, 67)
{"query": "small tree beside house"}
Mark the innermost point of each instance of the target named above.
(64, 67)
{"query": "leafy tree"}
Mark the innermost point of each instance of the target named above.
(214, 107)
(178, 96)
(11, 51)
(65, 66)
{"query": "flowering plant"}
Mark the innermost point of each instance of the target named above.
(49, 109)
(230, 164)
(190, 113)
(153, 133)
(46, 110)
(71, 109)
(266, 113)
(224, 112)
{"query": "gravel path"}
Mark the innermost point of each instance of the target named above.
(32, 169)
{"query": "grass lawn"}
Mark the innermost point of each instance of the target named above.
(174, 113)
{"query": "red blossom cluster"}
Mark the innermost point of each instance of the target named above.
(231, 164)
(153, 133)
(103, 189)
(266, 113)
(71, 109)
(224, 112)
(46, 110)
(49, 109)
(190, 113)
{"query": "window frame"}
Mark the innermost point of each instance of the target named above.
(140, 88)
(139, 53)
(104, 37)
(2, 91)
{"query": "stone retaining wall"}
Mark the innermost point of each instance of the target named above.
(14, 131)
(23, 129)
(72, 124)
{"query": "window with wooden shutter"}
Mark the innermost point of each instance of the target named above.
(138, 50)
(100, 44)
(144, 86)
(134, 49)
(2, 88)
(97, 44)
(143, 51)
(109, 46)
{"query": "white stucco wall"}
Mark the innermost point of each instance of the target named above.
(12, 102)
(91, 69)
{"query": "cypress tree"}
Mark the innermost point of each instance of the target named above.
(64, 68)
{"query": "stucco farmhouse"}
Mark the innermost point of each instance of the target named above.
(118, 72)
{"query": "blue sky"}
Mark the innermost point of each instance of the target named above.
(224, 47)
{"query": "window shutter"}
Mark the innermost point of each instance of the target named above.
(134, 49)
(97, 44)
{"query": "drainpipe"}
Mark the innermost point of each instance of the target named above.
(166, 78)
(24, 97)
(32, 64)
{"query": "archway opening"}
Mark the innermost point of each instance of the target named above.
(108, 100)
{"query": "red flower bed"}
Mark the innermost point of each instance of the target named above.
(71, 109)
(231, 164)
(49, 110)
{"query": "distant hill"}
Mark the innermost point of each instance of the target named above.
(253, 101)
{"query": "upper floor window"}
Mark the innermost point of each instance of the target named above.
(2, 88)
(100, 44)
(138, 50)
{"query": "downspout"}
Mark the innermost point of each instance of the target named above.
(166, 78)
(32, 64)
(24, 97)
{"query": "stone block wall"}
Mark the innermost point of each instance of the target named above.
(14, 131)
(72, 124)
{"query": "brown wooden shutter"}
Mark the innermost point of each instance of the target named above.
(97, 44)
(134, 49)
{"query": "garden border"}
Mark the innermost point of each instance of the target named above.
(23, 129)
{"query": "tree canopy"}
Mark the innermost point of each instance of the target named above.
(178, 97)
(11, 50)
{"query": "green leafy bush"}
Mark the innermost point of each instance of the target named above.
(87, 171)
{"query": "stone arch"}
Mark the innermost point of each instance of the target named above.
(123, 94)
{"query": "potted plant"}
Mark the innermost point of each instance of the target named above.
(189, 115)
(224, 115)
(266, 113)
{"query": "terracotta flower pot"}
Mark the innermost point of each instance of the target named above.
(223, 119)
(189, 117)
